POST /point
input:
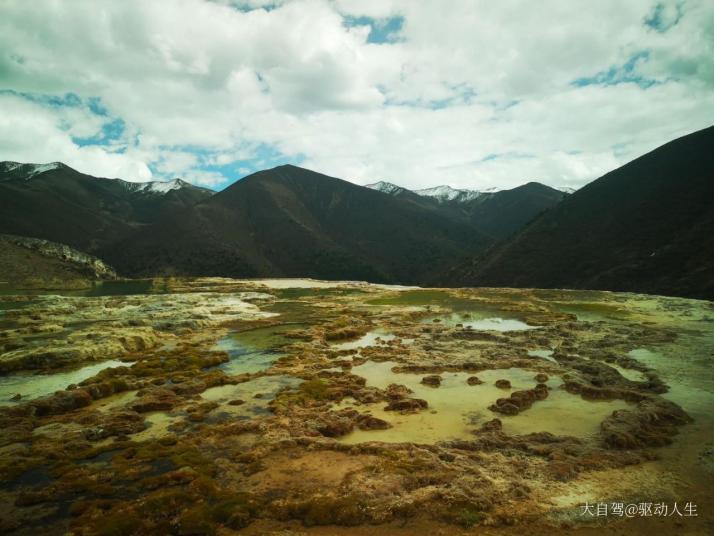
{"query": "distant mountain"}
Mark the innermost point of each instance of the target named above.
(56, 202)
(566, 189)
(290, 221)
(645, 227)
(18, 170)
(387, 188)
(442, 194)
(445, 194)
(497, 213)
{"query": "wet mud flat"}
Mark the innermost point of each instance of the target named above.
(219, 406)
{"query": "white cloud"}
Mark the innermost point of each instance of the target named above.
(31, 132)
(480, 94)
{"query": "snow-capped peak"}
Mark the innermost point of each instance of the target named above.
(156, 187)
(160, 187)
(386, 187)
(29, 170)
(443, 194)
(566, 189)
(447, 193)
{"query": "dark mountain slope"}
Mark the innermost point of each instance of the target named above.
(646, 227)
(58, 203)
(500, 214)
(290, 221)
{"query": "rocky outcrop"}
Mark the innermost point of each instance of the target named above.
(433, 380)
(368, 422)
(93, 266)
(156, 399)
(652, 423)
(503, 384)
(520, 400)
(407, 405)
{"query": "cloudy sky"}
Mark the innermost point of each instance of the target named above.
(473, 94)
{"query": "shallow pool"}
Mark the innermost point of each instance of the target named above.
(31, 386)
(256, 349)
(457, 409)
(481, 321)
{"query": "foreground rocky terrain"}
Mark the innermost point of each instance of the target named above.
(216, 406)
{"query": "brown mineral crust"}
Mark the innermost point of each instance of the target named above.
(652, 423)
(396, 392)
(407, 405)
(155, 399)
(520, 400)
(336, 427)
(116, 423)
(368, 422)
(433, 380)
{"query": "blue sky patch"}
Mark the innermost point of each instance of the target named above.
(619, 74)
(111, 131)
(381, 30)
(661, 19)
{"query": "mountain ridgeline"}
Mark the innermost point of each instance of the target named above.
(55, 202)
(498, 214)
(646, 227)
(290, 222)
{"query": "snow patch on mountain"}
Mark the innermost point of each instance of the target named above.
(386, 187)
(160, 187)
(443, 194)
(29, 170)
(157, 187)
(447, 193)
(566, 189)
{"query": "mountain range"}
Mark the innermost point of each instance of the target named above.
(498, 213)
(645, 227)
(58, 203)
(285, 221)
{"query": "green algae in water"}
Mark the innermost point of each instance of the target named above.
(121, 287)
(543, 354)
(457, 409)
(371, 338)
(32, 386)
(629, 374)
(307, 292)
(687, 372)
(292, 311)
(481, 321)
(158, 424)
(591, 311)
(256, 349)
(471, 313)
(266, 387)
(422, 298)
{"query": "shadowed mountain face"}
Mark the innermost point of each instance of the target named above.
(56, 202)
(646, 227)
(290, 221)
(496, 214)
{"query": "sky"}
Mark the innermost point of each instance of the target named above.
(473, 94)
